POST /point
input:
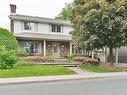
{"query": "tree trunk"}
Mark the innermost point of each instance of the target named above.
(111, 55)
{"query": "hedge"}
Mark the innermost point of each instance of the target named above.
(7, 39)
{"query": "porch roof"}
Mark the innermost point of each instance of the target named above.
(40, 36)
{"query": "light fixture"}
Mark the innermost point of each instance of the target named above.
(62, 46)
(49, 45)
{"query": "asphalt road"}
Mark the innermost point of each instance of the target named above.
(103, 86)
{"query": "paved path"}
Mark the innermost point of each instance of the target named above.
(79, 71)
(103, 86)
(56, 63)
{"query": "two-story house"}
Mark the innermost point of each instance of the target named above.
(45, 36)
(41, 36)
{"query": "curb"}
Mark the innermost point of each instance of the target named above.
(46, 81)
(79, 77)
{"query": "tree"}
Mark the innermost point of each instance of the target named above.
(8, 46)
(100, 23)
(7, 58)
(7, 39)
(66, 13)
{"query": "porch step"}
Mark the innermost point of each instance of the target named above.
(60, 60)
(68, 65)
(60, 64)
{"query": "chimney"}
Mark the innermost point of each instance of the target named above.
(13, 9)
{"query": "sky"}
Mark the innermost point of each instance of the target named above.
(42, 8)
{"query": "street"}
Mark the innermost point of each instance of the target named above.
(100, 86)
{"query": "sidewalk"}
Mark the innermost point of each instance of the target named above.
(80, 71)
(60, 78)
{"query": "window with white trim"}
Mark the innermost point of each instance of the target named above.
(32, 48)
(29, 26)
(56, 28)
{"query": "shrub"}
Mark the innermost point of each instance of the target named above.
(50, 58)
(91, 61)
(86, 60)
(78, 58)
(7, 58)
(34, 58)
(24, 63)
(7, 39)
(21, 52)
(70, 56)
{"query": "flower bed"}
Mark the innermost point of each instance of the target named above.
(86, 60)
(34, 58)
(78, 58)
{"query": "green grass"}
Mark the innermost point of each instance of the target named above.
(97, 69)
(27, 71)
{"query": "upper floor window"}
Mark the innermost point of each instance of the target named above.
(56, 28)
(29, 26)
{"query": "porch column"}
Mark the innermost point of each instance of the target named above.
(70, 48)
(92, 54)
(117, 55)
(44, 47)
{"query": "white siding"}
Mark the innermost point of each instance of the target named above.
(41, 28)
(67, 29)
(17, 26)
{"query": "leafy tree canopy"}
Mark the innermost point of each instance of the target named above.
(7, 39)
(100, 23)
(66, 13)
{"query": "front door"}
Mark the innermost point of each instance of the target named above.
(56, 50)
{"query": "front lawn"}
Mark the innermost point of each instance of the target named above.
(28, 71)
(97, 69)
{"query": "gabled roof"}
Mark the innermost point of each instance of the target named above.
(39, 19)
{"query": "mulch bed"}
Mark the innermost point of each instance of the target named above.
(114, 67)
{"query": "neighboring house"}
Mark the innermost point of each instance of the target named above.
(41, 36)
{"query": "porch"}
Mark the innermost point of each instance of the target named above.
(57, 45)
(57, 49)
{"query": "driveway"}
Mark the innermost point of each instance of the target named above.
(122, 64)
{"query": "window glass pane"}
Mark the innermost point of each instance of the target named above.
(53, 28)
(56, 28)
(27, 47)
(32, 48)
(30, 26)
(26, 25)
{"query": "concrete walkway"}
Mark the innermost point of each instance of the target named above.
(79, 71)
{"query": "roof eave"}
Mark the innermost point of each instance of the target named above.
(37, 19)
